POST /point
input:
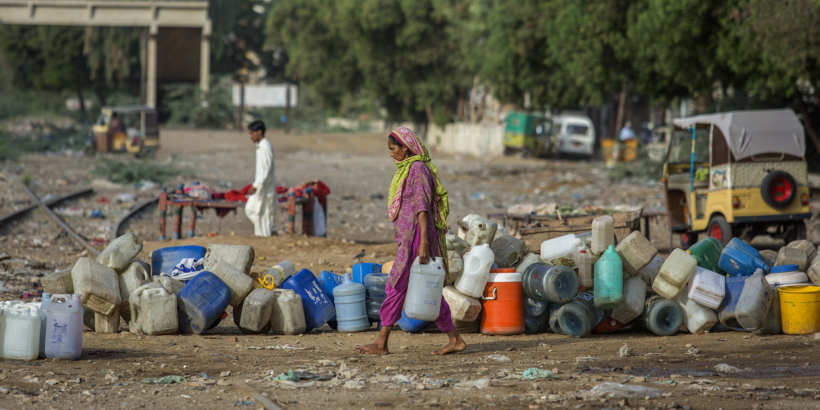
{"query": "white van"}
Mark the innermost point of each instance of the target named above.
(574, 135)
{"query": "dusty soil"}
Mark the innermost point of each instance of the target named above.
(114, 368)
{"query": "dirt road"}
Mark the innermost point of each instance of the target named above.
(116, 371)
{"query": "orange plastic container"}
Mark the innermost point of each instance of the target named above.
(609, 325)
(503, 304)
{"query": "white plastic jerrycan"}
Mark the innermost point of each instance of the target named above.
(481, 231)
(603, 234)
(423, 301)
(477, 265)
(64, 334)
(153, 310)
(20, 333)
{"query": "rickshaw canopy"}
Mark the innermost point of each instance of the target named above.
(756, 132)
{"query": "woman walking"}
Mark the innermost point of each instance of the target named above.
(418, 207)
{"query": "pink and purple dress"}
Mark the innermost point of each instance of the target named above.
(418, 195)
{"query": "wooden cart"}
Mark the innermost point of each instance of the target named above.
(553, 227)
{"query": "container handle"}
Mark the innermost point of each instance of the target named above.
(494, 297)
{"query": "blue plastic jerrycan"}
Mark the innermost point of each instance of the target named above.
(412, 325)
(316, 303)
(741, 259)
(360, 270)
(164, 259)
(328, 281)
(726, 310)
(201, 302)
(351, 309)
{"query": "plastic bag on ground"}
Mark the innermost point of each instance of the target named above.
(290, 376)
(478, 384)
(498, 358)
(609, 390)
(725, 368)
(535, 373)
(294, 385)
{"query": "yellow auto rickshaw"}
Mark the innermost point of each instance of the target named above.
(737, 174)
(132, 129)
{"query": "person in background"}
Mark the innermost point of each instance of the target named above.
(418, 206)
(261, 204)
(626, 133)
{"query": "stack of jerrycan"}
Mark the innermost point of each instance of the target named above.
(318, 308)
(351, 308)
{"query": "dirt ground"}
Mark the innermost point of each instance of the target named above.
(116, 370)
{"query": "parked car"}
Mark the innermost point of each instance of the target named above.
(574, 135)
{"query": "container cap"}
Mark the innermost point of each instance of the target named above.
(785, 268)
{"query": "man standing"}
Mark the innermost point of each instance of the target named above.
(261, 204)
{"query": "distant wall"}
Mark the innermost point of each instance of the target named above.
(479, 140)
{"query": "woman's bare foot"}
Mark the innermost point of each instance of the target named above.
(456, 345)
(372, 348)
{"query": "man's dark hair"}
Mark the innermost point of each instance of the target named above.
(257, 126)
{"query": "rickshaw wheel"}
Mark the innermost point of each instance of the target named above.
(720, 229)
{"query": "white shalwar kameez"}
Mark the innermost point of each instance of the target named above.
(261, 205)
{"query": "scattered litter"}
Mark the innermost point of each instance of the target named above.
(243, 403)
(166, 380)
(478, 384)
(126, 197)
(609, 390)
(400, 379)
(693, 351)
(294, 385)
(725, 368)
(498, 358)
(327, 363)
(225, 374)
(535, 373)
(585, 359)
(625, 351)
(96, 214)
(354, 385)
(290, 376)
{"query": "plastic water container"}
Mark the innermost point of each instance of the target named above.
(508, 251)
(554, 283)
(502, 303)
(153, 310)
(351, 309)
(579, 317)
(674, 274)
(707, 288)
(163, 260)
(423, 300)
(120, 252)
(477, 265)
(281, 272)
(561, 250)
(288, 317)
(201, 302)
(536, 314)
(773, 324)
(97, 286)
(481, 231)
(170, 284)
(754, 302)
(107, 324)
(135, 275)
(456, 244)
(64, 331)
(554, 322)
(411, 325)
(328, 281)
(360, 270)
(43, 311)
(707, 253)
(636, 252)
(603, 234)
(462, 307)
(740, 259)
(586, 267)
(20, 333)
(238, 282)
(528, 260)
(253, 315)
(814, 273)
(375, 284)
(792, 256)
(634, 298)
(317, 307)
(696, 318)
(804, 245)
(650, 271)
(239, 256)
(786, 275)
(661, 316)
(58, 283)
(456, 266)
(609, 280)
(726, 310)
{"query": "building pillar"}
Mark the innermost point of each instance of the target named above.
(205, 57)
(151, 77)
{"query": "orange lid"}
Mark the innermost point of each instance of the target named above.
(502, 270)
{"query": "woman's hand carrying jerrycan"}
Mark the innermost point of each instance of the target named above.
(423, 301)
(609, 280)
